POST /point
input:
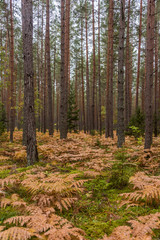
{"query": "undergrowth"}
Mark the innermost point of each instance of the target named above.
(82, 188)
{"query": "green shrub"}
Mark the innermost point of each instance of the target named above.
(73, 111)
(121, 171)
(136, 125)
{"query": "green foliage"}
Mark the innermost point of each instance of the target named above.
(136, 125)
(73, 112)
(4, 173)
(2, 119)
(121, 171)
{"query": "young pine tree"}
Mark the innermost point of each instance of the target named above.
(73, 112)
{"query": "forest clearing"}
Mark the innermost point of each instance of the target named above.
(81, 188)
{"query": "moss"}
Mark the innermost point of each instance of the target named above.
(4, 173)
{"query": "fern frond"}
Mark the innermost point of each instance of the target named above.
(65, 234)
(149, 189)
(120, 233)
(8, 181)
(15, 233)
(18, 220)
(5, 202)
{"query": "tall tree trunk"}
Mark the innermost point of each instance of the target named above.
(49, 81)
(149, 73)
(67, 45)
(42, 73)
(82, 77)
(139, 56)
(64, 83)
(109, 90)
(94, 71)
(45, 92)
(38, 74)
(156, 83)
(12, 110)
(27, 28)
(99, 70)
(127, 72)
(120, 104)
(87, 71)
(54, 81)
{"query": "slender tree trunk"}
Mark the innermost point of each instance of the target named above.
(45, 92)
(120, 104)
(42, 73)
(67, 45)
(82, 77)
(12, 111)
(49, 81)
(27, 28)
(64, 83)
(127, 72)
(99, 70)
(149, 73)
(109, 89)
(38, 74)
(94, 71)
(156, 83)
(54, 81)
(139, 56)
(87, 71)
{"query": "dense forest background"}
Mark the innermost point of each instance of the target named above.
(77, 64)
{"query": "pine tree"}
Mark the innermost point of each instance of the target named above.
(73, 112)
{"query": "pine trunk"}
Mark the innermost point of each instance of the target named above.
(149, 73)
(12, 111)
(139, 56)
(64, 83)
(120, 104)
(49, 81)
(27, 23)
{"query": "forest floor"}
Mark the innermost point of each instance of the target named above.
(81, 188)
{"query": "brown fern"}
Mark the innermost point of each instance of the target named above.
(14, 233)
(141, 229)
(149, 189)
(65, 233)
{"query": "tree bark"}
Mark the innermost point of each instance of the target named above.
(149, 73)
(94, 71)
(127, 73)
(82, 78)
(27, 28)
(120, 104)
(12, 110)
(139, 56)
(64, 83)
(99, 70)
(87, 71)
(49, 81)
(109, 88)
